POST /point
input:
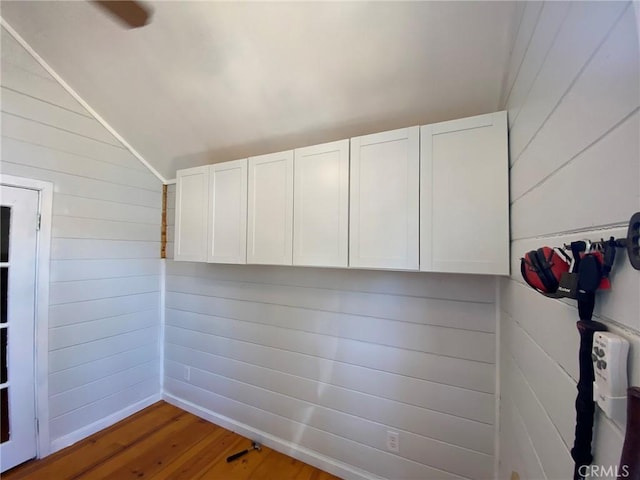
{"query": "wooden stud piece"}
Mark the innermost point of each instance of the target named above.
(163, 227)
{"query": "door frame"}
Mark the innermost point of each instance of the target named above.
(43, 254)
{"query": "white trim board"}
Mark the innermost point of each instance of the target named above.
(45, 205)
(496, 426)
(84, 432)
(315, 459)
(78, 98)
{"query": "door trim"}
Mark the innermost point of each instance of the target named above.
(43, 249)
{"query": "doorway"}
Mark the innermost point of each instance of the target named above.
(18, 254)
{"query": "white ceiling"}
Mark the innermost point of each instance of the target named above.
(214, 81)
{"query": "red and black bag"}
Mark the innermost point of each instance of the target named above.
(542, 268)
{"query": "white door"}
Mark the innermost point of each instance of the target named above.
(270, 226)
(384, 202)
(18, 226)
(192, 207)
(321, 205)
(464, 196)
(228, 212)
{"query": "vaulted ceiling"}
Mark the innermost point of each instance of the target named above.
(206, 82)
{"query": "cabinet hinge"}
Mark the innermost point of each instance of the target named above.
(38, 222)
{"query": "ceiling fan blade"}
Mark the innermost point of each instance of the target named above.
(131, 13)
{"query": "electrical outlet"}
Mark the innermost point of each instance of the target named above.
(187, 373)
(393, 441)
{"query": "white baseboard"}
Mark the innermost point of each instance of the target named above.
(84, 432)
(298, 452)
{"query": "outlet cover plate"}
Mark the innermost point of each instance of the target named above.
(393, 441)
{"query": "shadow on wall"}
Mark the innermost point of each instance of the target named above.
(359, 126)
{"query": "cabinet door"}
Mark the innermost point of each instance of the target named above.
(321, 205)
(228, 212)
(384, 200)
(464, 206)
(192, 192)
(270, 227)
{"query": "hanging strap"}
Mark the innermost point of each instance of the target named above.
(585, 406)
(589, 276)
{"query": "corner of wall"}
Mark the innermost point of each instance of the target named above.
(78, 98)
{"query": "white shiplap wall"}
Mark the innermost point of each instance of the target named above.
(329, 360)
(573, 92)
(104, 291)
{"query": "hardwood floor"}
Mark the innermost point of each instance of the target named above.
(164, 442)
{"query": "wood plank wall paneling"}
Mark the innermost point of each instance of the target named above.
(332, 359)
(573, 96)
(104, 292)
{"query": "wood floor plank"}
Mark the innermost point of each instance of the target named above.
(99, 447)
(194, 462)
(163, 442)
(240, 469)
(311, 473)
(288, 468)
(162, 445)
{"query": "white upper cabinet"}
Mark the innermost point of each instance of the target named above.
(432, 198)
(270, 218)
(228, 212)
(464, 206)
(321, 205)
(384, 215)
(192, 192)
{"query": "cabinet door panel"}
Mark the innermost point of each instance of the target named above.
(321, 205)
(228, 212)
(270, 227)
(192, 191)
(385, 200)
(465, 196)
